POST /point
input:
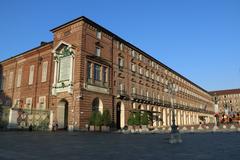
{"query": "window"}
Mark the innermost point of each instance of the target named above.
(140, 70)
(152, 75)
(105, 74)
(147, 73)
(147, 94)
(28, 103)
(133, 54)
(97, 71)
(158, 78)
(89, 70)
(121, 87)
(44, 71)
(140, 57)
(133, 90)
(98, 51)
(64, 68)
(31, 75)
(99, 34)
(121, 46)
(120, 62)
(42, 103)
(19, 77)
(133, 67)
(10, 80)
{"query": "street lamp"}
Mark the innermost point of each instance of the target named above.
(175, 136)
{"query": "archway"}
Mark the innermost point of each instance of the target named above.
(62, 114)
(120, 115)
(97, 105)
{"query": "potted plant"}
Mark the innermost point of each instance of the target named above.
(98, 121)
(106, 121)
(137, 120)
(144, 121)
(92, 121)
(130, 121)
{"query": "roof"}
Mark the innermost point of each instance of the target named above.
(83, 18)
(224, 92)
(42, 44)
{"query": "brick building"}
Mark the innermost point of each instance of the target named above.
(86, 67)
(228, 101)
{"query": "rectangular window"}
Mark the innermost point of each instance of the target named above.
(133, 67)
(97, 72)
(19, 77)
(64, 68)
(28, 103)
(152, 75)
(105, 74)
(141, 70)
(31, 75)
(44, 71)
(10, 80)
(133, 53)
(147, 73)
(89, 70)
(42, 103)
(133, 89)
(98, 51)
(120, 62)
(99, 34)
(121, 46)
(140, 57)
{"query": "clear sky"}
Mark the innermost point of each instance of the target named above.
(200, 39)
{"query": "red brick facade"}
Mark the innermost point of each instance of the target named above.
(122, 74)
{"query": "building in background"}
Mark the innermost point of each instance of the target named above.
(87, 68)
(228, 103)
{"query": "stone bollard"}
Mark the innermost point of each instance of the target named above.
(224, 127)
(232, 127)
(215, 128)
(192, 129)
(200, 127)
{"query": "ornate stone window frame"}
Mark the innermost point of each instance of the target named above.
(62, 50)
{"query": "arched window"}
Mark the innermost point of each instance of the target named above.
(97, 105)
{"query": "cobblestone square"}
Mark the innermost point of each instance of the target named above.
(104, 146)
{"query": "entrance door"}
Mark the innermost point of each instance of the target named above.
(119, 116)
(62, 115)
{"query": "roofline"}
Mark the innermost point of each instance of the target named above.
(224, 90)
(25, 52)
(83, 18)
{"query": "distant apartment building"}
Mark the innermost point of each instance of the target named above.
(228, 101)
(87, 68)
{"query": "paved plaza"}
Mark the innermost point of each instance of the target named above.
(104, 146)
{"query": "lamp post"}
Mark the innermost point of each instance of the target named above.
(216, 109)
(175, 136)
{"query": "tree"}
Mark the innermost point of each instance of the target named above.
(92, 118)
(98, 119)
(145, 119)
(137, 118)
(131, 119)
(106, 118)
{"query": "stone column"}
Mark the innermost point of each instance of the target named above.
(164, 117)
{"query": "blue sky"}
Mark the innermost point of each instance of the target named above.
(200, 39)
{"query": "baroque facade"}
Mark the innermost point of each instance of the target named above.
(87, 67)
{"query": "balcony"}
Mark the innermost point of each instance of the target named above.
(97, 83)
(122, 94)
